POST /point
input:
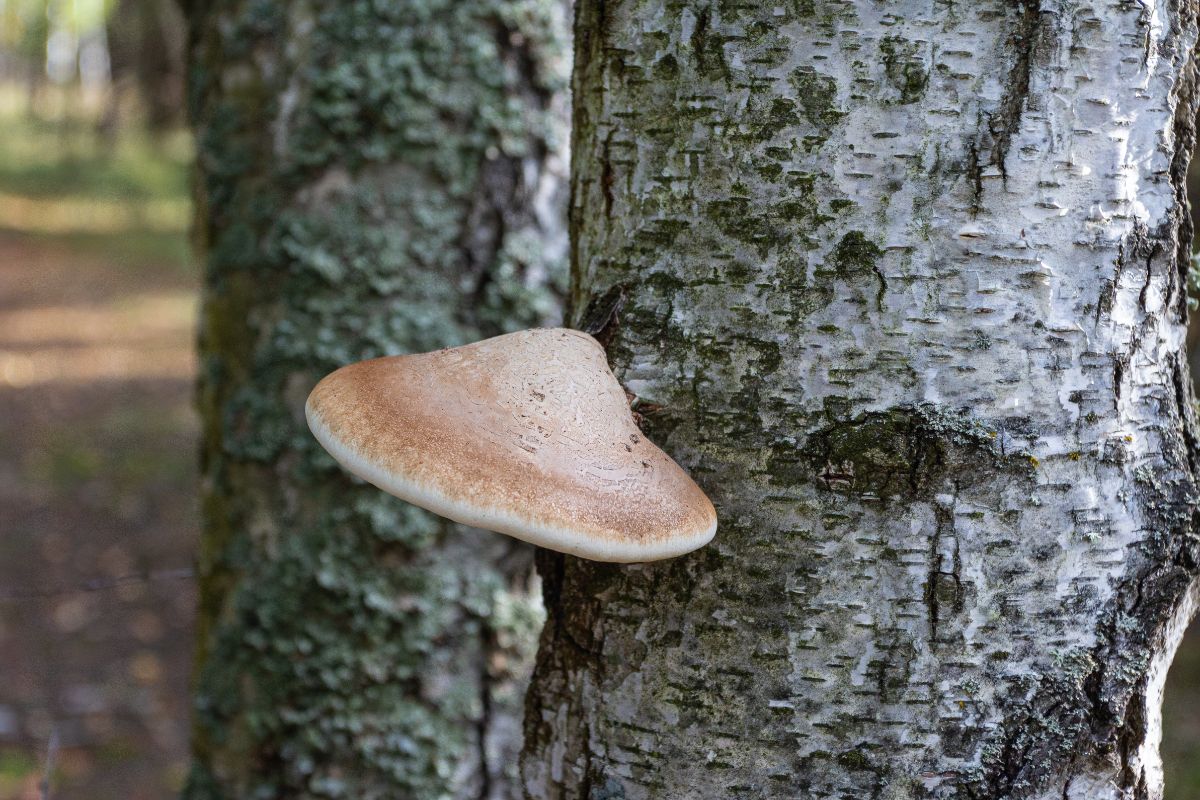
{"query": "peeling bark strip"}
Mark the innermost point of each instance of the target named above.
(372, 178)
(902, 284)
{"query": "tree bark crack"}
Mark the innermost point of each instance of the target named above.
(1003, 124)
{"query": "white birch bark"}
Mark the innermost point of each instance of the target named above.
(903, 285)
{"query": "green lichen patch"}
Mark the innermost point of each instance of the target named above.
(855, 254)
(817, 95)
(905, 68)
(855, 257)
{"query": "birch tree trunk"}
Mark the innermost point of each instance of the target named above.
(373, 178)
(903, 285)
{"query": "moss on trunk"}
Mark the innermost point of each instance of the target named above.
(372, 178)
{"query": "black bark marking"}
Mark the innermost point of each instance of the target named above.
(931, 594)
(902, 452)
(975, 176)
(700, 38)
(601, 318)
(607, 174)
(856, 254)
(1025, 43)
(1119, 365)
(943, 586)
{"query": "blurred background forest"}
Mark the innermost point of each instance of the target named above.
(98, 500)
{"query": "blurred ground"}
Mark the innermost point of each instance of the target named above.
(98, 477)
(97, 462)
(1181, 721)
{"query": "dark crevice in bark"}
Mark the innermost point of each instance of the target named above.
(486, 226)
(707, 43)
(931, 580)
(700, 38)
(1149, 277)
(1005, 121)
(975, 176)
(601, 318)
(931, 597)
(944, 586)
(1120, 364)
(570, 646)
(559, 630)
(607, 175)
(881, 685)
(1133, 247)
(1132, 735)
(590, 31)
(1185, 145)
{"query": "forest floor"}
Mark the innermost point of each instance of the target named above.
(1181, 721)
(98, 477)
(97, 466)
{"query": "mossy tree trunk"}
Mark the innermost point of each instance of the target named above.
(372, 178)
(903, 285)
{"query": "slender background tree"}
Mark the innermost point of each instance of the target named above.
(372, 178)
(904, 285)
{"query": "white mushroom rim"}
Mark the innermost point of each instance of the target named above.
(503, 520)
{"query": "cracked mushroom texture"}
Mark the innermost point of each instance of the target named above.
(527, 434)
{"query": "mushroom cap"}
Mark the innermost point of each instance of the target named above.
(527, 434)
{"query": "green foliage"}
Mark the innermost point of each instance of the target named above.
(67, 159)
(125, 197)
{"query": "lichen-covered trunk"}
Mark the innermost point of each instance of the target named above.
(372, 178)
(903, 285)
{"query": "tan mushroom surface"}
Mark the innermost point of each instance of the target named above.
(527, 434)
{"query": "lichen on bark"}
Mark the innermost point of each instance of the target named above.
(371, 179)
(903, 286)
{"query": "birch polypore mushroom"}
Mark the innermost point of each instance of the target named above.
(527, 434)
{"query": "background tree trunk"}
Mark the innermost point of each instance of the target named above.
(903, 286)
(373, 178)
(145, 50)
